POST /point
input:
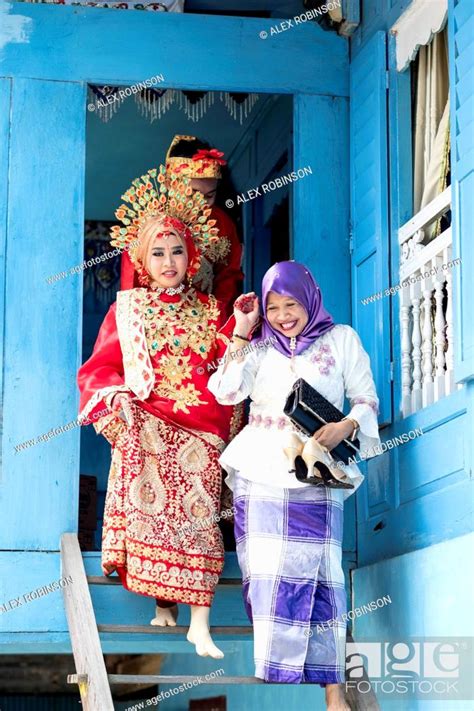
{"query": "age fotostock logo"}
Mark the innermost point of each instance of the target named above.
(434, 668)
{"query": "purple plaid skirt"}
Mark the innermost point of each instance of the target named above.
(289, 550)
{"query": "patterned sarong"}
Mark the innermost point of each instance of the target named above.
(163, 500)
(289, 551)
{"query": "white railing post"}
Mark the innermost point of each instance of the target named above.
(427, 343)
(440, 333)
(449, 376)
(416, 400)
(426, 309)
(405, 307)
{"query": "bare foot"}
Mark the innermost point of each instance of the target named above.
(205, 647)
(335, 700)
(199, 635)
(165, 616)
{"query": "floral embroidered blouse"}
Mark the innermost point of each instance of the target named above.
(335, 364)
(159, 348)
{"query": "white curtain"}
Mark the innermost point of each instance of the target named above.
(431, 129)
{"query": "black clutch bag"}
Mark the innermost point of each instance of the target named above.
(309, 411)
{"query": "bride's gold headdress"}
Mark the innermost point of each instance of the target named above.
(160, 193)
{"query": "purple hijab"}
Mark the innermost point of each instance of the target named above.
(295, 280)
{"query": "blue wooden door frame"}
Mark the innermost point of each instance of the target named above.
(50, 53)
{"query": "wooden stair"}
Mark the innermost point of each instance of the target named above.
(91, 674)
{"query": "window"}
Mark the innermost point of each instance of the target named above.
(425, 284)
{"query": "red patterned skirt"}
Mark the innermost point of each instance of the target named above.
(160, 529)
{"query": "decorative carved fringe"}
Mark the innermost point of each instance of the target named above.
(153, 103)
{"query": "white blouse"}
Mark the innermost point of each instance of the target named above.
(335, 364)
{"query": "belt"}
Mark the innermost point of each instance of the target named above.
(280, 423)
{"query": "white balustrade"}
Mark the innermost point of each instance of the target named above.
(426, 309)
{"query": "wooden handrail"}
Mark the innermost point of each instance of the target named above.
(427, 214)
(85, 641)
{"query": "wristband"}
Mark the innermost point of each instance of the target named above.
(242, 338)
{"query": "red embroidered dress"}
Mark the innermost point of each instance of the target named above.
(160, 531)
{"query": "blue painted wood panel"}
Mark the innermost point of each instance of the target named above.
(401, 197)
(461, 74)
(321, 217)
(321, 200)
(5, 101)
(98, 46)
(39, 492)
(369, 212)
(421, 492)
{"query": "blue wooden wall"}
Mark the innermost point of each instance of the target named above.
(415, 514)
(420, 493)
(42, 322)
(461, 60)
(369, 211)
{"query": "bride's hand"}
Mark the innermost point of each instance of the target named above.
(246, 313)
(120, 405)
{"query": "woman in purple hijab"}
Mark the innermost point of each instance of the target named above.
(288, 531)
(293, 280)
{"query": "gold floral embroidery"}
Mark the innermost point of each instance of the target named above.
(175, 368)
(184, 396)
(193, 456)
(171, 329)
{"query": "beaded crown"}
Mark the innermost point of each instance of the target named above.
(160, 193)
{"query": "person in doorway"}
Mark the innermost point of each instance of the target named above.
(191, 158)
(150, 369)
(195, 159)
(289, 532)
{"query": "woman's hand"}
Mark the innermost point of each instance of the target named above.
(121, 406)
(246, 313)
(332, 434)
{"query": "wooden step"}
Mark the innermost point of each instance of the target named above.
(147, 679)
(115, 580)
(151, 629)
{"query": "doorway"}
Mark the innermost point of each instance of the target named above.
(255, 134)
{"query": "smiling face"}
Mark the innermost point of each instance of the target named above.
(168, 260)
(285, 314)
(206, 186)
